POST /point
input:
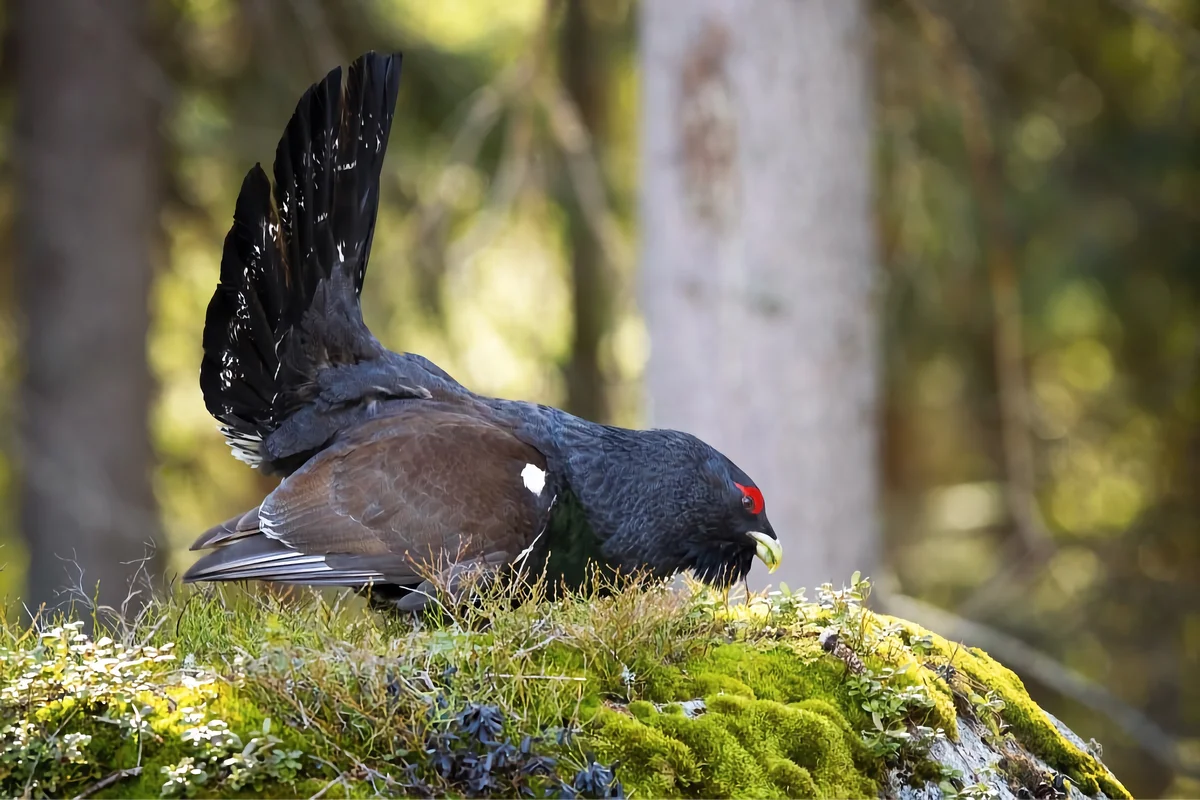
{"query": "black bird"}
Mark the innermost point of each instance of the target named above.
(394, 472)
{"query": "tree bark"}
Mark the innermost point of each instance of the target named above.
(87, 218)
(759, 260)
(581, 59)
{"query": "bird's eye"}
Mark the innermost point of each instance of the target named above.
(752, 499)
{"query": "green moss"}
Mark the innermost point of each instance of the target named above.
(1027, 722)
(832, 753)
(167, 747)
(335, 788)
(783, 673)
(835, 716)
(662, 683)
(710, 683)
(743, 748)
(913, 673)
(793, 780)
(651, 763)
(643, 710)
(724, 767)
(1034, 729)
(943, 714)
(825, 709)
(359, 694)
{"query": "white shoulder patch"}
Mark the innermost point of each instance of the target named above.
(534, 478)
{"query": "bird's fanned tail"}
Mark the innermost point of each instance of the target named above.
(287, 306)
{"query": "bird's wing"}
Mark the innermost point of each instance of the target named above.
(398, 498)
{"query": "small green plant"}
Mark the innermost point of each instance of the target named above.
(897, 704)
(27, 747)
(845, 610)
(921, 646)
(59, 694)
(221, 761)
(469, 754)
(787, 604)
(954, 787)
(894, 707)
(67, 702)
(988, 708)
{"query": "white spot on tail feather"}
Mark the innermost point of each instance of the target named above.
(244, 446)
(534, 478)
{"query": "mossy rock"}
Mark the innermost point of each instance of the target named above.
(681, 695)
(1039, 735)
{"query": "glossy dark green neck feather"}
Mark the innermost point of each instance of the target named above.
(569, 549)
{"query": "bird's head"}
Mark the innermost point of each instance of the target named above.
(666, 501)
(728, 524)
(682, 505)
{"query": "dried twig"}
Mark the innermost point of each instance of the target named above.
(341, 777)
(831, 642)
(108, 780)
(511, 676)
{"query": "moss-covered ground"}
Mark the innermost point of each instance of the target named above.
(219, 693)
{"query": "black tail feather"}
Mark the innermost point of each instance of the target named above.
(294, 260)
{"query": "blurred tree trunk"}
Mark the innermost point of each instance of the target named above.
(582, 62)
(759, 259)
(88, 206)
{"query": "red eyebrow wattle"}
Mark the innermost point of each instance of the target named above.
(755, 496)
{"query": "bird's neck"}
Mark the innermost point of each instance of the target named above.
(622, 480)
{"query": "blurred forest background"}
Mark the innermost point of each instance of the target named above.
(1035, 293)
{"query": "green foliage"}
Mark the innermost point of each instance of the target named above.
(892, 706)
(953, 787)
(904, 717)
(220, 755)
(75, 710)
(637, 689)
(66, 703)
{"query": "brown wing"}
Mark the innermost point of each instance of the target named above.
(398, 496)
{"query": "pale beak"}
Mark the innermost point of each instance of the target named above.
(769, 551)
